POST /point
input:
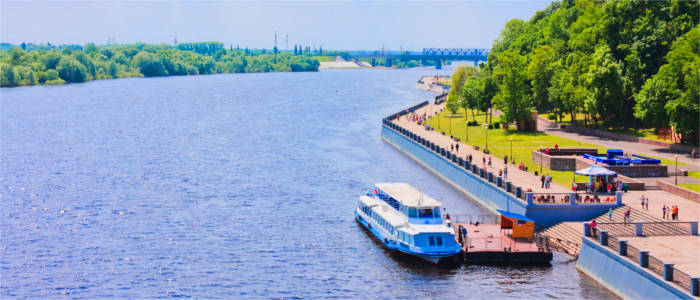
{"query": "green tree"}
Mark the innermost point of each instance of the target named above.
(512, 97)
(605, 83)
(71, 70)
(9, 75)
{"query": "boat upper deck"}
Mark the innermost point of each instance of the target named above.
(408, 195)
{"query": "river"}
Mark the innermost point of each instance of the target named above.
(223, 186)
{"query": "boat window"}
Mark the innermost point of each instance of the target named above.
(412, 212)
(431, 240)
(439, 240)
(425, 213)
(436, 212)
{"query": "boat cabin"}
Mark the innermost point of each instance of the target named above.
(418, 207)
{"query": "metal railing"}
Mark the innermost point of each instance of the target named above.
(645, 260)
(681, 278)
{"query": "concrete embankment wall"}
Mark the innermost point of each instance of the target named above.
(488, 194)
(622, 276)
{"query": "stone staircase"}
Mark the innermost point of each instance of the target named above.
(566, 237)
(563, 237)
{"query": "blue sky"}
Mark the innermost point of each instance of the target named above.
(333, 24)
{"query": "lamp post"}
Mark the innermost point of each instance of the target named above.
(676, 169)
(466, 120)
(486, 127)
(450, 125)
(574, 167)
(540, 160)
(511, 149)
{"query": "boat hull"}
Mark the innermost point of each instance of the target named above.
(441, 258)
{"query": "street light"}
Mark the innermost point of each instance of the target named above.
(511, 149)
(466, 120)
(541, 160)
(450, 125)
(676, 156)
(486, 127)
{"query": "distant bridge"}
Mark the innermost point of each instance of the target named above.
(435, 54)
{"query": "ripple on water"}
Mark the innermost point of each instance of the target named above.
(222, 186)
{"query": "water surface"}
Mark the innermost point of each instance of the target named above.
(222, 186)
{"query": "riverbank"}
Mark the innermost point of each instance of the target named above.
(75, 64)
(449, 164)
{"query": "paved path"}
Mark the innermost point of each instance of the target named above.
(688, 210)
(520, 178)
(634, 147)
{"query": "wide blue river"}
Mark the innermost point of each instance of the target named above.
(223, 186)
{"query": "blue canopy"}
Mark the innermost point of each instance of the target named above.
(596, 171)
(513, 215)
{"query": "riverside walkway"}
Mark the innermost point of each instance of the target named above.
(677, 247)
(688, 210)
(522, 178)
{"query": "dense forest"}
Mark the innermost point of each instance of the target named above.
(46, 64)
(605, 64)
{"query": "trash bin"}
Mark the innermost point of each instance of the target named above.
(625, 187)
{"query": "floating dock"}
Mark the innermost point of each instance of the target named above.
(508, 242)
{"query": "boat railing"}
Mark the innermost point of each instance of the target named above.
(472, 219)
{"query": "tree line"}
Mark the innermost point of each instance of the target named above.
(34, 65)
(607, 64)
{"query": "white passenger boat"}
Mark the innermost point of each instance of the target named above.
(408, 221)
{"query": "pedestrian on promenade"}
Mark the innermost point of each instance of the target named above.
(542, 179)
(489, 161)
(642, 201)
(505, 160)
(675, 213)
(452, 147)
(663, 212)
(549, 181)
(610, 213)
(627, 216)
(483, 160)
(594, 229)
(457, 147)
(646, 202)
(470, 157)
(505, 173)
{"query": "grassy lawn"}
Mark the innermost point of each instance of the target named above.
(692, 186)
(694, 174)
(499, 142)
(647, 133)
(325, 58)
(523, 143)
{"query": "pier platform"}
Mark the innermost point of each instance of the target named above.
(489, 244)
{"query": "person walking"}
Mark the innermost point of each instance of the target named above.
(642, 201)
(542, 179)
(489, 161)
(675, 213)
(627, 216)
(610, 213)
(457, 147)
(505, 173)
(452, 147)
(663, 212)
(505, 160)
(646, 202)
